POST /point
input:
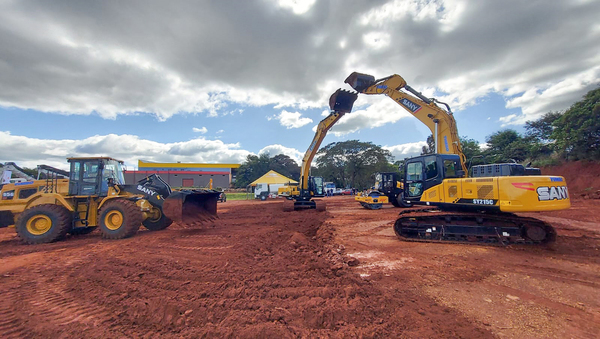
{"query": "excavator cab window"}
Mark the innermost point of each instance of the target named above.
(431, 170)
(414, 178)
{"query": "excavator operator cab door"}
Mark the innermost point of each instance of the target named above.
(85, 177)
(316, 186)
(422, 173)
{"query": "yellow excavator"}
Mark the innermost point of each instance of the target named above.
(459, 208)
(94, 194)
(302, 195)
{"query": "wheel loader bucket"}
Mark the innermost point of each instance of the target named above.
(342, 101)
(190, 206)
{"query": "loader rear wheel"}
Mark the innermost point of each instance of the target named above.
(159, 222)
(43, 223)
(119, 219)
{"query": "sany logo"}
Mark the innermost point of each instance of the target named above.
(146, 190)
(411, 106)
(552, 193)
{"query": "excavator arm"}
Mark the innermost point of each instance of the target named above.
(440, 121)
(340, 102)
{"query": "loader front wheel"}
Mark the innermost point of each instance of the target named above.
(43, 223)
(119, 219)
(159, 222)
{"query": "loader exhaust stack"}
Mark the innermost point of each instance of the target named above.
(189, 206)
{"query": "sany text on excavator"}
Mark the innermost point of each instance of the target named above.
(340, 102)
(461, 208)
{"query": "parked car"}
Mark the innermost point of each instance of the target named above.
(347, 191)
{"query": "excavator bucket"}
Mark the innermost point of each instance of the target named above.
(342, 101)
(360, 81)
(191, 206)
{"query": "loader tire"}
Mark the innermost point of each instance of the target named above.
(43, 223)
(157, 224)
(119, 219)
(82, 230)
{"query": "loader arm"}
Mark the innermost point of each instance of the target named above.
(440, 122)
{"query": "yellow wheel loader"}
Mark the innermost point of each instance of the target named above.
(95, 196)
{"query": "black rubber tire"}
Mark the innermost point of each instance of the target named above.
(157, 225)
(394, 201)
(60, 223)
(82, 230)
(401, 202)
(131, 219)
(263, 197)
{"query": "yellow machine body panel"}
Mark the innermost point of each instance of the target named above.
(369, 199)
(508, 193)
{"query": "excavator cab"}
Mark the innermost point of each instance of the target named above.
(424, 172)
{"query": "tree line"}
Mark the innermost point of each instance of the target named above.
(555, 137)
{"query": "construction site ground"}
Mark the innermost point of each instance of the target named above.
(260, 272)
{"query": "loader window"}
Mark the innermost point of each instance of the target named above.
(75, 168)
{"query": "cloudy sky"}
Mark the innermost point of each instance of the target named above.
(214, 81)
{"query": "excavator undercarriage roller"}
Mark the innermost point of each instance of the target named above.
(434, 225)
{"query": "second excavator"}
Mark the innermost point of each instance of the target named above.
(340, 102)
(458, 208)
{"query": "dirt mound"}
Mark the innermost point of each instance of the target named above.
(583, 178)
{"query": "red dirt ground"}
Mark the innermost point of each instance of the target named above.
(260, 272)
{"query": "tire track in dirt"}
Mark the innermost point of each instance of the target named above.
(50, 300)
(11, 326)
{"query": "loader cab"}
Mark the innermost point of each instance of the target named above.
(91, 176)
(386, 183)
(426, 171)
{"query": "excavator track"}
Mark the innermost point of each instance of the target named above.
(435, 225)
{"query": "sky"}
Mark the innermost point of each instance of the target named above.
(215, 81)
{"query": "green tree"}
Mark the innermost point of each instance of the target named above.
(352, 163)
(285, 165)
(430, 148)
(505, 146)
(542, 128)
(252, 169)
(472, 151)
(577, 131)
(256, 166)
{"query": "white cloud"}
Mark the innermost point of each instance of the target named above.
(28, 152)
(291, 120)
(296, 6)
(380, 112)
(165, 60)
(406, 150)
(202, 130)
(273, 150)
